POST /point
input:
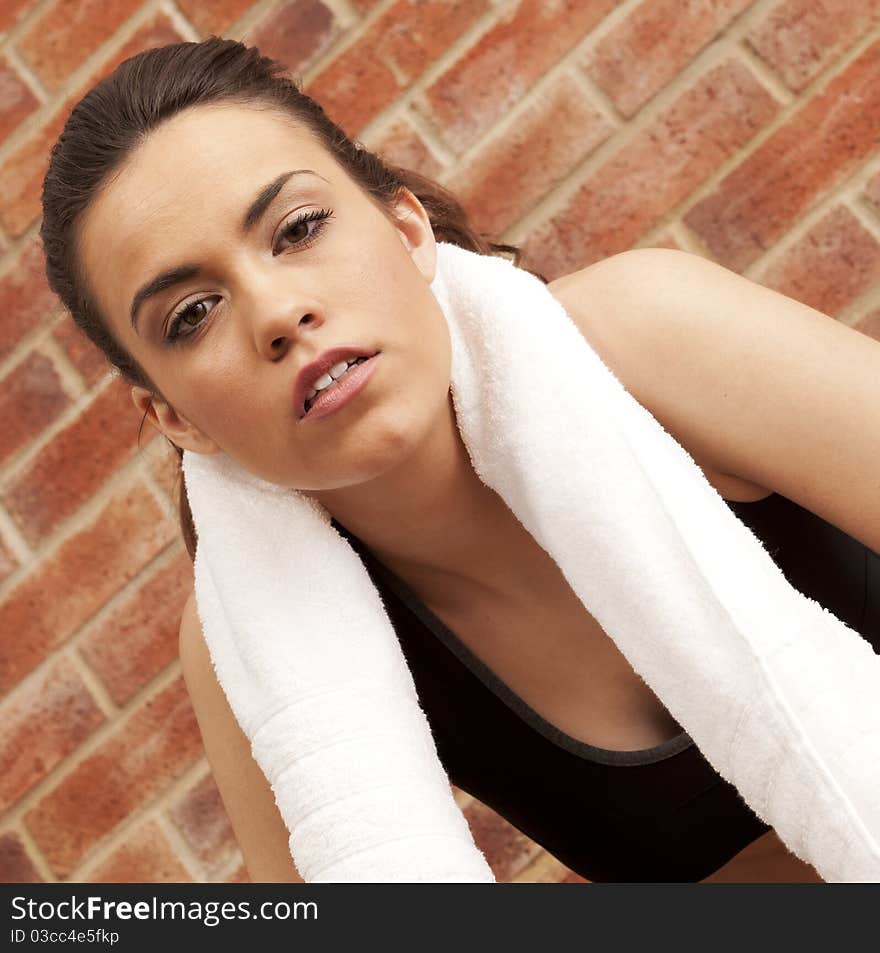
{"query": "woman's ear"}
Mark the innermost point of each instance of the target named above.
(416, 232)
(167, 421)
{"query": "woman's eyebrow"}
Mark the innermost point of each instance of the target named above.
(267, 196)
(182, 273)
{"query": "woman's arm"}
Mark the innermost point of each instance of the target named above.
(247, 796)
(760, 386)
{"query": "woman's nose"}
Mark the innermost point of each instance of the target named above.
(277, 330)
(275, 335)
(280, 311)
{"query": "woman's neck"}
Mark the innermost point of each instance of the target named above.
(431, 520)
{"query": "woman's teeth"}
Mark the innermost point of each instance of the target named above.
(326, 380)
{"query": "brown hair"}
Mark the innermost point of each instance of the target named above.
(117, 114)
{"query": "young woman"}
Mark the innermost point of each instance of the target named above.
(212, 231)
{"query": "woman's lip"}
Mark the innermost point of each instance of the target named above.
(322, 364)
(344, 391)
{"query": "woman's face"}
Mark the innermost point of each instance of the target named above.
(269, 298)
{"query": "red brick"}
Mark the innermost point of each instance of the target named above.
(145, 754)
(75, 580)
(86, 357)
(800, 38)
(353, 89)
(201, 818)
(408, 36)
(545, 869)
(76, 463)
(556, 130)
(68, 33)
(31, 398)
(138, 640)
(13, 11)
(16, 867)
(215, 17)
(816, 149)
(870, 325)
(8, 562)
(872, 191)
(666, 240)
(239, 876)
(506, 849)
(17, 102)
(652, 45)
(295, 33)
(402, 145)
(25, 298)
(364, 6)
(22, 172)
(649, 175)
(500, 70)
(835, 262)
(42, 724)
(144, 857)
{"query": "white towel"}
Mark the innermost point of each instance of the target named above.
(781, 697)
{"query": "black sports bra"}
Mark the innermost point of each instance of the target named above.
(659, 814)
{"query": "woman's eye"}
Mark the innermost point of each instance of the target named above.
(183, 317)
(299, 227)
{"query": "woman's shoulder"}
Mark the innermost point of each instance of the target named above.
(614, 303)
(610, 302)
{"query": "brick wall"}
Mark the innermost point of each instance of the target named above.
(746, 132)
